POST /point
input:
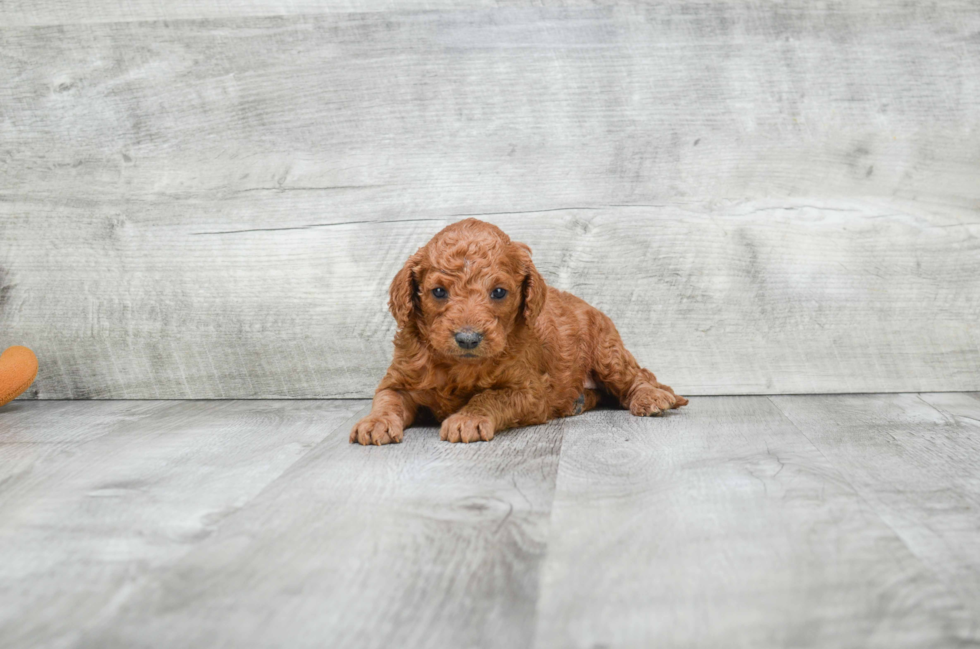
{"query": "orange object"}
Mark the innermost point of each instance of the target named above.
(18, 369)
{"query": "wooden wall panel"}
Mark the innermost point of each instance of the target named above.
(61, 12)
(766, 199)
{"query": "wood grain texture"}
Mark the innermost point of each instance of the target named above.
(422, 544)
(255, 523)
(764, 198)
(724, 526)
(23, 13)
(96, 496)
(767, 298)
(925, 477)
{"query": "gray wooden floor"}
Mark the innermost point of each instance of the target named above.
(833, 521)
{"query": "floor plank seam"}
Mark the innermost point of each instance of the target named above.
(533, 640)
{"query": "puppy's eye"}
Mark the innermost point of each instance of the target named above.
(439, 292)
(498, 293)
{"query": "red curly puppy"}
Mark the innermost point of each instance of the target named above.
(485, 345)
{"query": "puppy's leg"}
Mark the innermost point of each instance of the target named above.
(589, 399)
(391, 413)
(636, 387)
(492, 411)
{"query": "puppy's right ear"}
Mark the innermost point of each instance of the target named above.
(403, 295)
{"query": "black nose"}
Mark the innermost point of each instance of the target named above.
(468, 339)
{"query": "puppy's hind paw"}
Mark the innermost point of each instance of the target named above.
(648, 401)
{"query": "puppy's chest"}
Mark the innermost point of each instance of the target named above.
(446, 401)
(464, 391)
(450, 391)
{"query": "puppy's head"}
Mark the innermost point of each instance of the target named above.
(467, 291)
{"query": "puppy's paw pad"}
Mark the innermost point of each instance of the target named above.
(376, 430)
(466, 428)
(651, 402)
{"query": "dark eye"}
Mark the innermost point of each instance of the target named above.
(439, 293)
(498, 293)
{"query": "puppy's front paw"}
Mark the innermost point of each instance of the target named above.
(377, 430)
(466, 429)
(649, 401)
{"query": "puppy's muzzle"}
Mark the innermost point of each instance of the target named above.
(468, 339)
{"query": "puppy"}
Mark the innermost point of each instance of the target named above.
(485, 345)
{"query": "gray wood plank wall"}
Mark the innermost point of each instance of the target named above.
(767, 198)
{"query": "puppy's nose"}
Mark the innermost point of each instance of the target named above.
(468, 339)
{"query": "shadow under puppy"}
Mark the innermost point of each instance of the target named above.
(485, 345)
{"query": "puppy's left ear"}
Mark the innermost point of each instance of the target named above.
(403, 295)
(534, 290)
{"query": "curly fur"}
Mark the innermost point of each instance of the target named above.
(544, 353)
